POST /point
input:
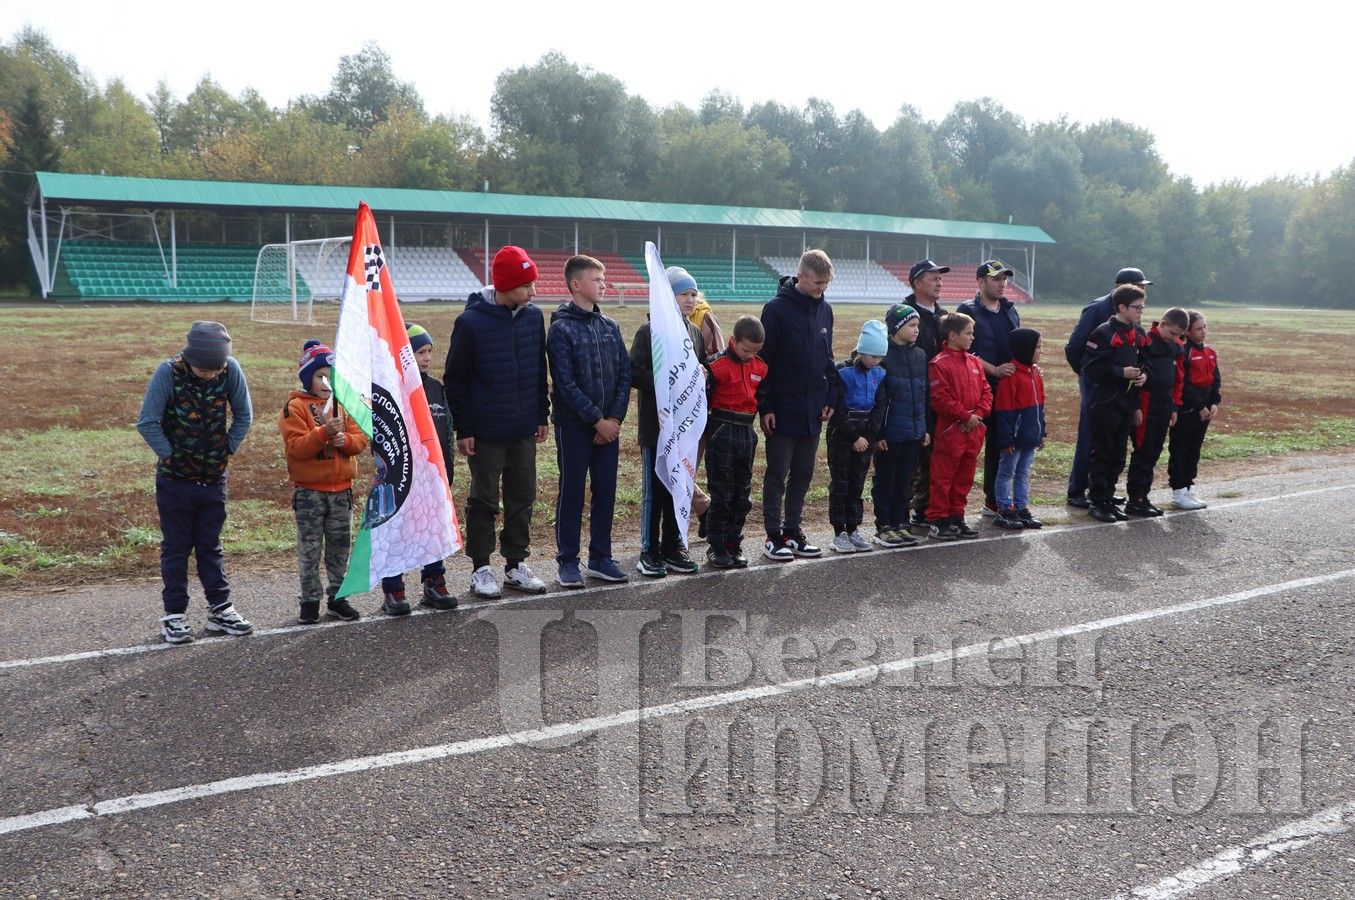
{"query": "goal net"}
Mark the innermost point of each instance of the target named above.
(289, 279)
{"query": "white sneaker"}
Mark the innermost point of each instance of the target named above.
(1199, 504)
(860, 541)
(175, 629)
(843, 543)
(1182, 498)
(524, 579)
(483, 585)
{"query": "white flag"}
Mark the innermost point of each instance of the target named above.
(679, 389)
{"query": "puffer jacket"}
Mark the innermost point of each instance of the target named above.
(798, 351)
(589, 366)
(905, 368)
(495, 377)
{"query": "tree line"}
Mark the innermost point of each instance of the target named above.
(1100, 189)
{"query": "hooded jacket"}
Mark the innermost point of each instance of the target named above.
(859, 404)
(495, 377)
(589, 366)
(1018, 410)
(798, 351)
(310, 462)
(1201, 380)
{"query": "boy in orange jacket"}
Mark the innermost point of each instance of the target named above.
(322, 444)
(962, 398)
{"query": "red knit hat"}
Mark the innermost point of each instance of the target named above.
(512, 269)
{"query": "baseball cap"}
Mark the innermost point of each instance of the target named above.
(992, 268)
(1131, 276)
(922, 268)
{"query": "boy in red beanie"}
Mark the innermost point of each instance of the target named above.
(962, 399)
(322, 444)
(495, 381)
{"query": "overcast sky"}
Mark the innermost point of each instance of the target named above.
(1231, 94)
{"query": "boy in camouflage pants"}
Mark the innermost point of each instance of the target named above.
(322, 444)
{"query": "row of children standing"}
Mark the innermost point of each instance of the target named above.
(913, 403)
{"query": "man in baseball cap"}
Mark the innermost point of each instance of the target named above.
(1093, 314)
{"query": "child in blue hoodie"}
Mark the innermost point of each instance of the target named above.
(1019, 430)
(859, 401)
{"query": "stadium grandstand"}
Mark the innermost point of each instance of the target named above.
(94, 237)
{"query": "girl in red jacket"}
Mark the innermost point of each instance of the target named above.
(1200, 398)
(962, 399)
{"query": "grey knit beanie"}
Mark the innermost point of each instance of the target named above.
(208, 345)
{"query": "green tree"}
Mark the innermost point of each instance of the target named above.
(1045, 170)
(1319, 238)
(1124, 154)
(974, 134)
(725, 163)
(123, 139)
(364, 91)
(33, 149)
(205, 116)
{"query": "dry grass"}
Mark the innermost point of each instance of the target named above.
(76, 485)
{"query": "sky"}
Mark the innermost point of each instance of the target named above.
(1230, 93)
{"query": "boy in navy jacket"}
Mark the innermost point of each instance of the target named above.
(590, 382)
(905, 427)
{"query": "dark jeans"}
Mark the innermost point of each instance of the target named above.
(580, 459)
(1079, 476)
(393, 583)
(1183, 459)
(658, 518)
(191, 518)
(514, 464)
(992, 458)
(893, 483)
(790, 470)
(729, 477)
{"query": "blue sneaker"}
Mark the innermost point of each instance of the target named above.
(568, 576)
(605, 569)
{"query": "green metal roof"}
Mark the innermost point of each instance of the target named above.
(163, 192)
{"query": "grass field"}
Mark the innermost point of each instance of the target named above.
(77, 482)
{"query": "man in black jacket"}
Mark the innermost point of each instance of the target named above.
(995, 318)
(925, 278)
(796, 400)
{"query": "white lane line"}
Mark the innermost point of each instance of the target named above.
(1234, 860)
(374, 618)
(863, 674)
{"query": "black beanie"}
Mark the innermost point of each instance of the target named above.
(1023, 341)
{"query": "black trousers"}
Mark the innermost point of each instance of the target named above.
(729, 480)
(1183, 449)
(1149, 450)
(992, 455)
(922, 480)
(1112, 421)
(847, 472)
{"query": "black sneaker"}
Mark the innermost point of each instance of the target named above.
(736, 554)
(1142, 507)
(1104, 512)
(1028, 520)
(651, 566)
(435, 593)
(1118, 500)
(777, 550)
(342, 609)
(680, 561)
(963, 530)
(719, 558)
(310, 612)
(395, 604)
(943, 530)
(800, 545)
(1080, 501)
(1009, 519)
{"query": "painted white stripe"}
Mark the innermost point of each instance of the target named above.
(592, 590)
(474, 746)
(1234, 860)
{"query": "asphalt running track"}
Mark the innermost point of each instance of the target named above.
(1159, 708)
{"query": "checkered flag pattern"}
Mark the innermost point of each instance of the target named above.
(373, 262)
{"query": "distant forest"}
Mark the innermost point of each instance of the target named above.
(1100, 189)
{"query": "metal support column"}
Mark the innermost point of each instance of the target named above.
(734, 258)
(576, 238)
(173, 251)
(486, 254)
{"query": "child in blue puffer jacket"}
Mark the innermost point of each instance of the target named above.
(905, 428)
(1019, 427)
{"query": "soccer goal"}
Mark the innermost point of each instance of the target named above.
(290, 278)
